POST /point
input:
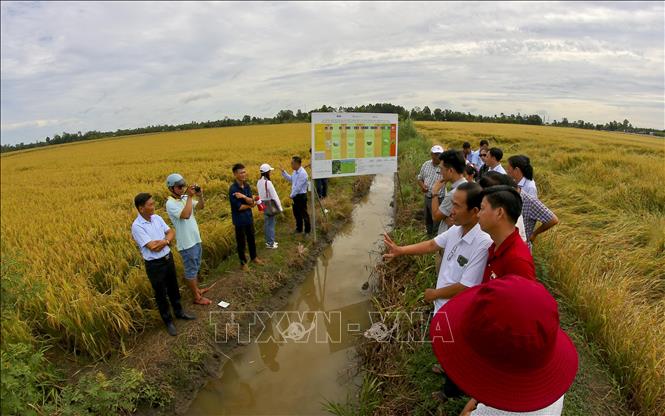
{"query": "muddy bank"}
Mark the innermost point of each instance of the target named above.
(181, 365)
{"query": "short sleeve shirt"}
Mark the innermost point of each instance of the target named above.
(511, 257)
(243, 217)
(464, 258)
(187, 233)
(533, 211)
(446, 206)
(554, 409)
(429, 174)
(145, 231)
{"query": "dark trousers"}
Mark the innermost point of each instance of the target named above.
(321, 187)
(432, 227)
(245, 233)
(161, 273)
(300, 212)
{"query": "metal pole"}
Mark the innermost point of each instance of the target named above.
(312, 186)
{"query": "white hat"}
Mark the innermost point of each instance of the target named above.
(265, 168)
(437, 149)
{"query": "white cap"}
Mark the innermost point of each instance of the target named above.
(265, 168)
(437, 149)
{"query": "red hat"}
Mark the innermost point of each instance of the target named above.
(501, 343)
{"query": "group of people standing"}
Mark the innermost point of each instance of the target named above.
(495, 330)
(155, 238)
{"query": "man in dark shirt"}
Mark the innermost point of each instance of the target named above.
(240, 197)
(499, 210)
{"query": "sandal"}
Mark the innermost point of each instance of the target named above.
(202, 301)
(436, 369)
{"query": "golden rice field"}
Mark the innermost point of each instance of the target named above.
(66, 219)
(607, 255)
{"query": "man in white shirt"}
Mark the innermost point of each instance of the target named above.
(153, 238)
(475, 158)
(493, 160)
(180, 207)
(299, 194)
(452, 167)
(465, 248)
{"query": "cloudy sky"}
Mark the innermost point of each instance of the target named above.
(103, 66)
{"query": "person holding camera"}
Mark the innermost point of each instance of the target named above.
(180, 208)
(273, 206)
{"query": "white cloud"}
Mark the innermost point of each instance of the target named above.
(109, 65)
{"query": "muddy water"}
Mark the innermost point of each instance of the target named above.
(301, 356)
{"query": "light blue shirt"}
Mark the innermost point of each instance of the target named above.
(474, 158)
(186, 230)
(298, 181)
(146, 231)
(528, 186)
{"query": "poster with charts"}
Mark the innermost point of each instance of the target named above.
(350, 144)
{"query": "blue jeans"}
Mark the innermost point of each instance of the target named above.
(269, 228)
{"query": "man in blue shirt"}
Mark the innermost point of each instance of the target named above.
(153, 237)
(299, 194)
(242, 202)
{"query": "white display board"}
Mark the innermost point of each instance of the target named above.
(350, 144)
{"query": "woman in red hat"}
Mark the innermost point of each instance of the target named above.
(501, 343)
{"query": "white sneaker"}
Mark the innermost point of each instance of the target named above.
(273, 246)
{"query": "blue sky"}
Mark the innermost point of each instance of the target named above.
(81, 66)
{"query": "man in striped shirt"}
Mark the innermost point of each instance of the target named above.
(430, 173)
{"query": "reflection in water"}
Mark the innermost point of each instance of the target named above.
(288, 370)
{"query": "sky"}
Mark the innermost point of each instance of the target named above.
(103, 66)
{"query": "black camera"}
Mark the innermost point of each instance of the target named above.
(197, 188)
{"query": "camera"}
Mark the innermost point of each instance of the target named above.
(197, 188)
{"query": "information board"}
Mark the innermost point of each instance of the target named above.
(349, 144)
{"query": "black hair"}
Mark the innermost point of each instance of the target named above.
(506, 197)
(524, 164)
(470, 170)
(141, 199)
(484, 142)
(496, 153)
(266, 175)
(297, 159)
(474, 194)
(466, 145)
(492, 178)
(237, 167)
(453, 159)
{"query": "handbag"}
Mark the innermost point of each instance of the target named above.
(271, 208)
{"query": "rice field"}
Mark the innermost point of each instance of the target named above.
(607, 255)
(70, 266)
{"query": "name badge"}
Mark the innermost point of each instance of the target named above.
(462, 261)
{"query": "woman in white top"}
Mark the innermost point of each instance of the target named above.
(519, 167)
(267, 193)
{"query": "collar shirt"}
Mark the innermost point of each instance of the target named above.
(238, 217)
(429, 174)
(498, 168)
(145, 231)
(511, 257)
(475, 158)
(446, 206)
(298, 181)
(464, 258)
(528, 186)
(532, 211)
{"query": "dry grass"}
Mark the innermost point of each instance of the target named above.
(607, 256)
(67, 213)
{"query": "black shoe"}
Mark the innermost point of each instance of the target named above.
(184, 315)
(170, 328)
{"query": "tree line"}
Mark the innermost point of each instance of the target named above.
(288, 116)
